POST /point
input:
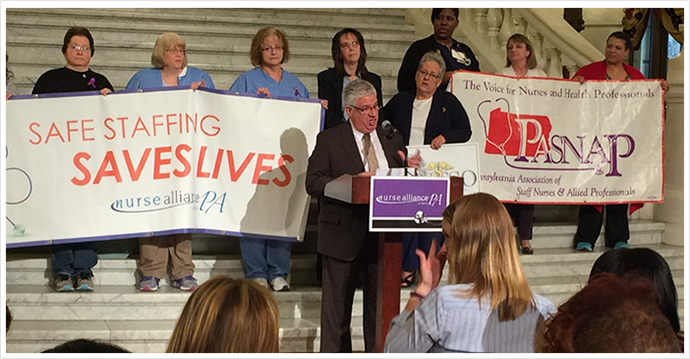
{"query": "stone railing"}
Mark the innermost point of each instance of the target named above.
(556, 43)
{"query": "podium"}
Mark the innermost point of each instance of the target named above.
(355, 190)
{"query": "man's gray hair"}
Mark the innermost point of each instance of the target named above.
(434, 56)
(357, 89)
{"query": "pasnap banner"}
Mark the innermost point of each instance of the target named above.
(83, 168)
(558, 141)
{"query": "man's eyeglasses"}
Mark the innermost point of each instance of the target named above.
(366, 109)
(177, 49)
(352, 44)
(77, 48)
(426, 73)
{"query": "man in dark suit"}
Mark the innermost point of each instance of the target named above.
(347, 247)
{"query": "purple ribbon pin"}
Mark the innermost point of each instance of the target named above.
(92, 82)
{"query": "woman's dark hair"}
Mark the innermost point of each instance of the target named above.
(610, 315)
(436, 12)
(86, 346)
(77, 31)
(647, 264)
(338, 59)
(621, 36)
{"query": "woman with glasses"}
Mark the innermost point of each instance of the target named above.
(426, 116)
(349, 63)
(269, 51)
(169, 60)
(72, 263)
(268, 261)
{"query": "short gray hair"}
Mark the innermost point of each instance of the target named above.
(357, 89)
(434, 56)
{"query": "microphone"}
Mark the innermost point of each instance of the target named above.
(388, 127)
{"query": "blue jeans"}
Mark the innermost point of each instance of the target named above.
(265, 258)
(73, 258)
(413, 241)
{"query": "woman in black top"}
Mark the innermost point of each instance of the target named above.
(349, 63)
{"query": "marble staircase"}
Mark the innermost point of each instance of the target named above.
(218, 42)
(143, 322)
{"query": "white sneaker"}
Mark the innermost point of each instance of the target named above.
(279, 284)
(262, 282)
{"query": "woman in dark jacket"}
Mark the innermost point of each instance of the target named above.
(349, 63)
(426, 116)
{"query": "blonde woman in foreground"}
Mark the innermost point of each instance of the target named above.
(487, 305)
(226, 315)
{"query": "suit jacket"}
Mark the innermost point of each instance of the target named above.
(446, 117)
(342, 226)
(331, 89)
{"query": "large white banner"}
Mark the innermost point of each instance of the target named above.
(559, 141)
(138, 164)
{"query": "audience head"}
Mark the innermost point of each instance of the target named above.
(226, 315)
(610, 315)
(520, 42)
(445, 21)
(482, 252)
(429, 74)
(77, 48)
(618, 46)
(648, 264)
(348, 46)
(169, 48)
(86, 346)
(269, 47)
(361, 104)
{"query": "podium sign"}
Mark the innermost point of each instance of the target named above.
(407, 204)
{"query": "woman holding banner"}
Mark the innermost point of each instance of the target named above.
(72, 263)
(521, 62)
(349, 63)
(590, 218)
(169, 60)
(268, 261)
(426, 116)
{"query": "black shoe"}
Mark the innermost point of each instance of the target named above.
(527, 250)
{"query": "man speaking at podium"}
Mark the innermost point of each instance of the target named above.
(345, 243)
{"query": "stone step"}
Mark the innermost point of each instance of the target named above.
(123, 272)
(382, 19)
(130, 32)
(34, 269)
(556, 285)
(296, 335)
(48, 52)
(560, 235)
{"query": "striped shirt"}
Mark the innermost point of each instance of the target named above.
(443, 322)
